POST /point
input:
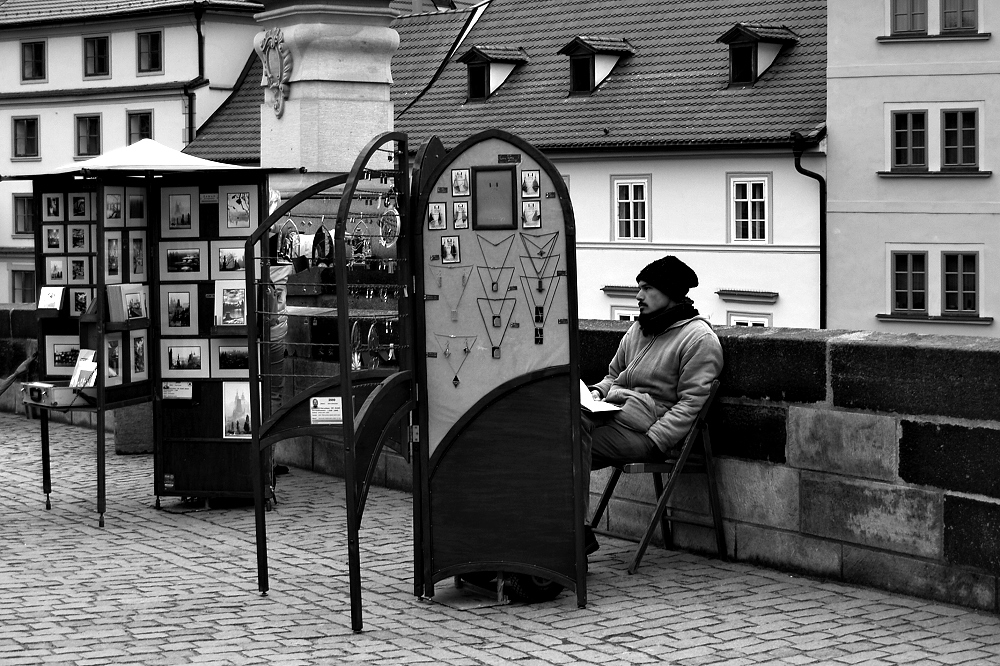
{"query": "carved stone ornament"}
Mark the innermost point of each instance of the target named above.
(277, 61)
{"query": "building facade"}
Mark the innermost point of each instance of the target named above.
(913, 206)
(79, 79)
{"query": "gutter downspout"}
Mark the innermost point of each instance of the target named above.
(199, 12)
(799, 147)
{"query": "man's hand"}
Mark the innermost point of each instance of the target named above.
(596, 395)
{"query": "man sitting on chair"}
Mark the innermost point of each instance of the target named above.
(661, 376)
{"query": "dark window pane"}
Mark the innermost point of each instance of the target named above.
(951, 263)
(919, 301)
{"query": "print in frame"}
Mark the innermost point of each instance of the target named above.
(237, 210)
(179, 212)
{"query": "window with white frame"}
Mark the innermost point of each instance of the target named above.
(749, 319)
(935, 281)
(623, 313)
(25, 135)
(631, 207)
(909, 17)
(24, 215)
(749, 208)
(96, 56)
(924, 139)
(959, 15)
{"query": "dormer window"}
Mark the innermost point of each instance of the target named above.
(753, 48)
(489, 67)
(591, 60)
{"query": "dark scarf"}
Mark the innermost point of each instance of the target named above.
(654, 323)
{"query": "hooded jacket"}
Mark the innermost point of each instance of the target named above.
(675, 368)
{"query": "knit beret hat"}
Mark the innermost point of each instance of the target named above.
(670, 275)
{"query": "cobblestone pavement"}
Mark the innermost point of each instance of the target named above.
(178, 586)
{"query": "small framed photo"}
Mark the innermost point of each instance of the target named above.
(113, 257)
(135, 207)
(230, 303)
(79, 270)
(494, 198)
(461, 216)
(78, 237)
(55, 270)
(183, 260)
(437, 216)
(531, 214)
(136, 256)
(451, 253)
(114, 207)
(138, 356)
(79, 206)
(460, 182)
(230, 358)
(185, 358)
(227, 260)
(79, 301)
(113, 358)
(179, 309)
(61, 352)
(530, 185)
(236, 410)
(179, 212)
(237, 210)
(53, 239)
(134, 301)
(52, 208)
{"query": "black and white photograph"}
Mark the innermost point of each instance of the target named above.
(227, 257)
(113, 257)
(56, 271)
(230, 303)
(184, 358)
(79, 270)
(52, 208)
(437, 216)
(236, 410)
(139, 344)
(79, 301)
(135, 207)
(531, 214)
(460, 182)
(230, 358)
(179, 309)
(450, 251)
(461, 217)
(183, 260)
(179, 212)
(136, 256)
(113, 359)
(237, 210)
(79, 206)
(53, 239)
(114, 201)
(61, 352)
(79, 238)
(530, 185)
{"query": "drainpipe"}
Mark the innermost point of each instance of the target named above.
(199, 12)
(799, 147)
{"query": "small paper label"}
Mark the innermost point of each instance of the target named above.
(208, 197)
(323, 411)
(512, 288)
(564, 321)
(560, 272)
(515, 324)
(432, 354)
(550, 195)
(178, 390)
(431, 297)
(435, 257)
(509, 158)
(442, 190)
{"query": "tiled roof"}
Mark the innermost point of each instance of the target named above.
(232, 133)
(22, 12)
(601, 44)
(672, 93)
(493, 54)
(772, 33)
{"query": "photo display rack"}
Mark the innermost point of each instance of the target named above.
(497, 366)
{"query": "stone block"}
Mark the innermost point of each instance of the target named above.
(599, 340)
(929, 580)
(754, 432)
(134, 429)
(870, 513)
(972, 533)
(328, 456)
(398, 472)
(759, 493)
(787, 550)
(23, 323)
(699, 539)
(952, 457)
(794, 369)
(295, 452)
(853, 444)
(917, 374)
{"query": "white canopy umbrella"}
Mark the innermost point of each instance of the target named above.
(145, 155)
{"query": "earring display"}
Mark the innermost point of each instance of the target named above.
(452, 279)
(456, 350)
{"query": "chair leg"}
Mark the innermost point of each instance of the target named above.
(713, 497)
(661, 505)
(665, 531)
(606, 497)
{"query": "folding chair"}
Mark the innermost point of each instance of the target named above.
(679, 461)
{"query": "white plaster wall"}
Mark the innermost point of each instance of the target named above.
(689, 200)
(868, 212)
